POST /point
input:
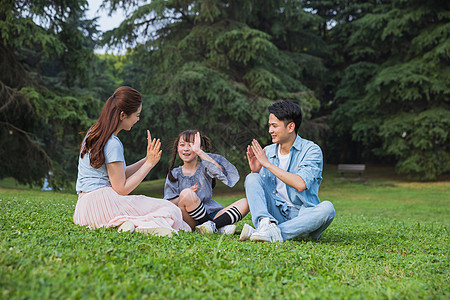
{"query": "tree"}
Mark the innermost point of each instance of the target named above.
(394, 93)
(217, 65)
(46, 51)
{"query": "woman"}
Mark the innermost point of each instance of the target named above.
(104, 181)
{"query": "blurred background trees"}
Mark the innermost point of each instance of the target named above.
(50, 86)
(371, 78)
(216, 66)
(393, 95)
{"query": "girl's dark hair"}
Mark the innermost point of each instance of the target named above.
(188, 136)
(125, 99)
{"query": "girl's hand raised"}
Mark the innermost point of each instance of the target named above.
(153, 150)
(196, 146)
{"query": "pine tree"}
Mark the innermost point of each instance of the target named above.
(46, 57)
(217, 65)
(394, 93)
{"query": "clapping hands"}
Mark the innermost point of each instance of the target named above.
(256, 156)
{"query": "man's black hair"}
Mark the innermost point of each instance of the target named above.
(287, 112)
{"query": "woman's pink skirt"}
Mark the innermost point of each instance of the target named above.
(104, 207)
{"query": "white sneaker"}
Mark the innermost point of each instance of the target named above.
(263, 224)
(159, 231)
(267, 232)
(126, 226)
(228, 229)
(209, 227)
(246, 232)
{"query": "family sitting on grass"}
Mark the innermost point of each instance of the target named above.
(282, 188)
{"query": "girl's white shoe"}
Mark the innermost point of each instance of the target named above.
(209, 227)
(228, 229)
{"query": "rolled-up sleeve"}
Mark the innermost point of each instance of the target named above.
(229, 175)
(171, 189)
(310, 167)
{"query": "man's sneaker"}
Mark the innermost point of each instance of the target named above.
(126, 226)
(209, 227)
(263, 224)
(267, 233)
(246, 232)
(227, 229)
(159, 231)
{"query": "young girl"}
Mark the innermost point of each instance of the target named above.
(104, 181)
(190, 185)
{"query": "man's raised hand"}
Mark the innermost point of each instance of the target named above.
(253, 162)
(259, 153)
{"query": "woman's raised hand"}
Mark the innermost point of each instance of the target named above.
(153, 150)
(196, 146)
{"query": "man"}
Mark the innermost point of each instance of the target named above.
(283, 188)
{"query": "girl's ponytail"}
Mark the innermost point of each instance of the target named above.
(207, 145)
(174, 156)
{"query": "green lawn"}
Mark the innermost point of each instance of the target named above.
(389, 240)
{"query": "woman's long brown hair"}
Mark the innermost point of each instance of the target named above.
(188, 136)
(125, 99)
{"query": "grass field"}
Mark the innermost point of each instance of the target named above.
(389, 240)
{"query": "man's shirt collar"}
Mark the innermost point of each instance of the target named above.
(297, 145)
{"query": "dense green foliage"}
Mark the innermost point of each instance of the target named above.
(394, 95)
(371, 77)
(389, 240)
(207, 65)
(48, 88)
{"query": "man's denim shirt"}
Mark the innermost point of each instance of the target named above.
(306, 160)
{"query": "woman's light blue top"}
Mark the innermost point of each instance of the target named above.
(206, 171)
(89, 178)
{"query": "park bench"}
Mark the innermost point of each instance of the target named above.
(351, 168)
